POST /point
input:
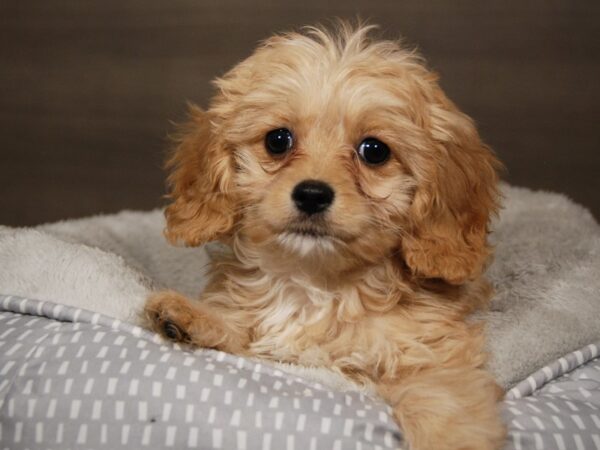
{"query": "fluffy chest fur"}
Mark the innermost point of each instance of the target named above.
(366, 328)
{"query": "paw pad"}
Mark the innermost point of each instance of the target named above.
(172, 331)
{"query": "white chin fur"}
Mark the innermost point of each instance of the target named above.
(305, 244)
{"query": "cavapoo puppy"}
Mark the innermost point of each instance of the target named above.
(355, 198)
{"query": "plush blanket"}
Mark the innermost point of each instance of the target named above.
(546, 273)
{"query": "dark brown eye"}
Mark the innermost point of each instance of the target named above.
(373, 151)
(278, 142)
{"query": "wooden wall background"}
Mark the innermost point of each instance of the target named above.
(87, 88)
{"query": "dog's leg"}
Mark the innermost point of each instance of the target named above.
(447, 409)
(190, 322)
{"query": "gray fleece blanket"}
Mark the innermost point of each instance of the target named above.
(546, 274)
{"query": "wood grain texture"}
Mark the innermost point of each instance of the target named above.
(88, 88)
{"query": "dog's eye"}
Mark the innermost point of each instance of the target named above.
(373, 151)
(279, 141)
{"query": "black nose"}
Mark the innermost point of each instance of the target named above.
(312, 196)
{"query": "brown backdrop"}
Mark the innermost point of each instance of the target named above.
(87, 88)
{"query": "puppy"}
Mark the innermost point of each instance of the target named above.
(355, 198)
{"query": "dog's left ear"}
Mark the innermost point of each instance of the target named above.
(454, 200)
(201, 171)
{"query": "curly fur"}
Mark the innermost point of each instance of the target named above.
(382, 292)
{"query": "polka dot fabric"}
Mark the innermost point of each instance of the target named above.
(72, 379)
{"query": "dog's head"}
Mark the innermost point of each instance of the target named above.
(330, 147)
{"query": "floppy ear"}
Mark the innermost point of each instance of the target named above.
(454, 200)
(200, 184)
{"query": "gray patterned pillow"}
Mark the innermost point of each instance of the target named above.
(73, 379)
(88, 381)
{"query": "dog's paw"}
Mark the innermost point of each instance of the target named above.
(170, 315)
(192, 323)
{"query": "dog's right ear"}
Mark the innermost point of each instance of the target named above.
(200, 177)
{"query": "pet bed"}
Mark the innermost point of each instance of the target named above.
(77, 372)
